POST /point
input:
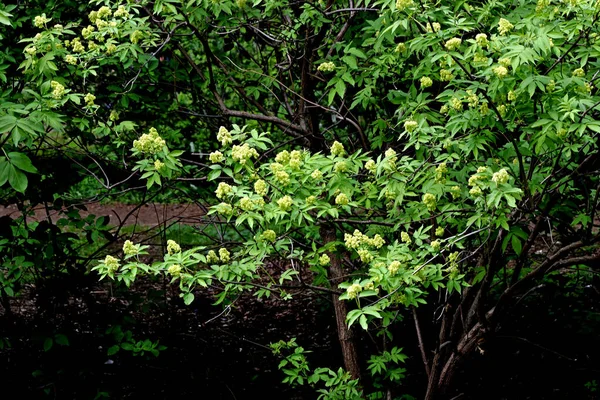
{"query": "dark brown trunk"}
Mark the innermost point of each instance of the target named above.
(345, 335)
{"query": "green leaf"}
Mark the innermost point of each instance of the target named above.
(17, 179)
(516, 244)
(188, 298)
(113, 350)
(22, 162)
(48, 344)
(61, 339)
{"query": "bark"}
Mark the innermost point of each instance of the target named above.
(345, 335)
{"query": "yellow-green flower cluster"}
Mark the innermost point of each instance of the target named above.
(112, 264)
(435, 245)
(426, 82)
(340, 166)
(174, 270)
(150, 143)
(579, 73)
(439, 231)
(282, 177)
(501, 72)
(326, 67)
(504, 61)
(500, 177)
(405, 238)
(400, 48)
(243, 153)
(269, 235)
(353, 290)
(30, 50)
(114, 116)
(391, 155)
(480, 58)
(429, 201)
(365, 255)
(173, 247)
(337, 149)
(246, 204)
(87, 31)
(40, 20)
(504, 26)
(261, 188)
(455, 192)
(403, 4)
(440, 172)
(342, 200)
(295, 160)
(158, 165)
(456, 104)
(89, 99)
(476, 191)
(224, 209)
(283, 157)
(70, 59)
(223, 190)
(357, 239)
(224, 136)
(310, 200)
(371, 166)
(411, 125)
(453, 44)
(58, 90)
(435, 27)
(111, 48)
(285, 203)
(394, 267)
(224, 255)
(77, 46)
(324, 260)
(512, 96)
(122, 12)
(216, 157)
(136, 36)
(472, 99)
(482, 40)
(129, 249)
(211, 257)
(316, 175)
(446, 75)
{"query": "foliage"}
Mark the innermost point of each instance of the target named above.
(391, 154)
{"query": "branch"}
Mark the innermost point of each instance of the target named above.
(421, 345)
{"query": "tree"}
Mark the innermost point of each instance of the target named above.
(419, 152)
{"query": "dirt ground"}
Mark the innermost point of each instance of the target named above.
(151, 214)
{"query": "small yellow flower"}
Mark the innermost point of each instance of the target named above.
(40, 21)
(223, 190)
(426, 82)
(224, 255)
(446, 75)
(337, 149)
(394, 267)
(353, 290)
(269, 235)
(212, 257)
(500, 177)
(439, 231)
(285, 203)
(129, 249)
(173, 247)
(342, 199)
(224, 136)
(500, 71)
(430, 201)
(411, 125)
(216, 157)
(89, 99)
(504, 26)
(579, 72)
(324, 260)
(261, 188)
(453, 44)
(405, 238)
(482, 40)
(403, 4)
(174, 270)
(316, 175)
(326, 67)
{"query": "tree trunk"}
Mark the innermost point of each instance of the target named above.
(345, 336)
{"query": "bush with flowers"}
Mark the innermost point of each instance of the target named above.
(398, 153)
